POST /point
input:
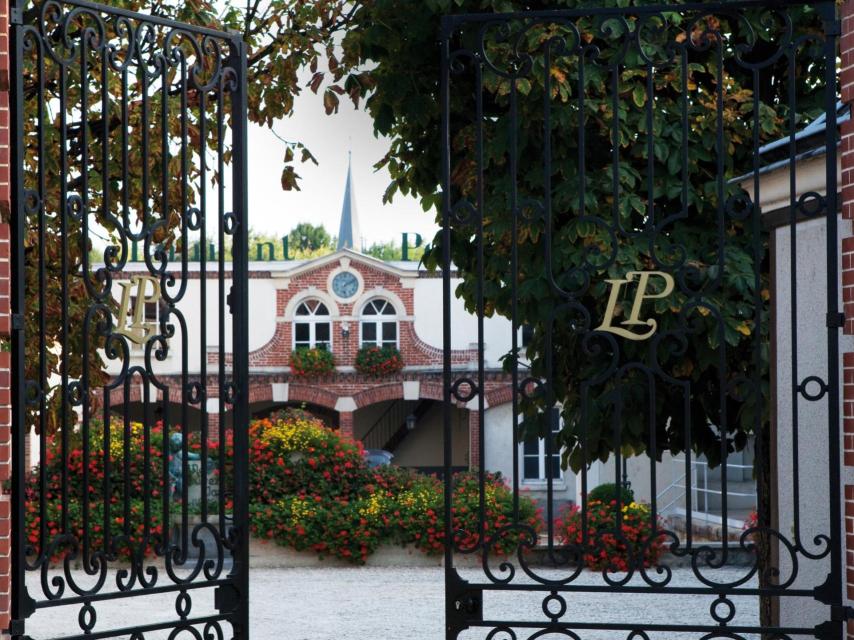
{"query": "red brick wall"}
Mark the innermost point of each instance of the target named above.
(415, 352)
(847, 234)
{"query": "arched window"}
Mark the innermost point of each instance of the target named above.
(312, 326)
(379, 324)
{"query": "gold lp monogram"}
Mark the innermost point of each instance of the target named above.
(634, 320)
(138, 330)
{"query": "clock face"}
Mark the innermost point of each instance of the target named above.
(345, 285)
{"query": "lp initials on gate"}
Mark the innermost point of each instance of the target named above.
(138, 330)
(643, 279)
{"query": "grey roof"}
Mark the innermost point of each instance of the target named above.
(348, 231)
(813, 130)
(817, 126)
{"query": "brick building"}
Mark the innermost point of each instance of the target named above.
(339, 302)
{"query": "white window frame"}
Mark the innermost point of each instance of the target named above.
(378, 321)
(558, 481)
(150, 322)
(312, 320)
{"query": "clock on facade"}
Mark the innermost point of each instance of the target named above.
(345, 285)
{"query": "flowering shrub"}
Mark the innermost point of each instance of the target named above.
(312, 363)
(310, 489)
(378, 361)
(313, 490)
(499, 512)
(130, 526)
(752, 520)
(604, 549)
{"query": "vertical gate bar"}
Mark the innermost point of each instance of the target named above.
(19, 610)
(793, 301)
(548, 418)
(481, 378)
(514, 294)
(828, 13)
(445, 142)
(240, 293)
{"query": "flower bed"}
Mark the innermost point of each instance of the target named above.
(132, 529)
(605, 547)
(378, 361)
(310, 489)
(312, 363)
(313, 490)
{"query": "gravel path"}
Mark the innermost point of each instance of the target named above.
(390, 604)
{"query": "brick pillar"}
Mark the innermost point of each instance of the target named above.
(345, 424)
(5, 320)
(474, 439)
(846, 232)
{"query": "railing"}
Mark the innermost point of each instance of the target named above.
(387, 425)
(700, 471)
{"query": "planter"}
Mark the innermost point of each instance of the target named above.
(312, 363)
(378, 361)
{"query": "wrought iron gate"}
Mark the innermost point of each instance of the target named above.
(603, 172)
(129, 326)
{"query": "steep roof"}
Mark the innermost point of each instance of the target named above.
(349, 236)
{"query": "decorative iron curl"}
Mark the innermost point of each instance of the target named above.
(655, 25)
(803, 388)
(527, 540)
(496, 634)
(87, 617)
(555, 630)
(125, 31)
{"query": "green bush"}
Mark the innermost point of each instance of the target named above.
(607, 493)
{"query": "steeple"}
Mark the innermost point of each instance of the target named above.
(348, 232)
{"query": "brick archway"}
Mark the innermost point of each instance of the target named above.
(394, 391)
(311, 395)
(383, 393)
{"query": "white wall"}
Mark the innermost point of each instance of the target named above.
(810, 346)
(261, 317)
(498, 431)
(497, 330)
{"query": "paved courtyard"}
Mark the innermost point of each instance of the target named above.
(391, 604)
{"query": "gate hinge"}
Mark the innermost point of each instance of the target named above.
(835, 320)
(825, 593)
(229, 300)
(16, 629)
(17, 321)
(16, 16)
(828, 630)
(841, 613)
(28, 608)
(464, 604)
(226, 598)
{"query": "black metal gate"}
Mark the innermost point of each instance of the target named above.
(129, 326)
(649, 195)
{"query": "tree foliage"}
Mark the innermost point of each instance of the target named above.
(659, 201)
(104, 168)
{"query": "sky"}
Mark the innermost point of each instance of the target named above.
(329, 138)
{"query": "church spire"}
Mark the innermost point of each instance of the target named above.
(348, 232)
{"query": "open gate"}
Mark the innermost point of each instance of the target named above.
(130, 332)
(605, 180)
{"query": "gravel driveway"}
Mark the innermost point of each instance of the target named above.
(386, 603)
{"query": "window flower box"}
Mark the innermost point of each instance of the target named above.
(378, 361)
(312, 363)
